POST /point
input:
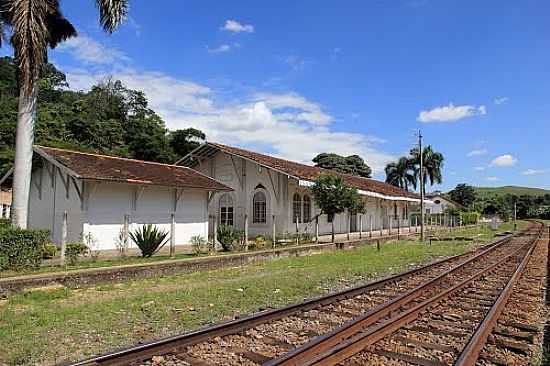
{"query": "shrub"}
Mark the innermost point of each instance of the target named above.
(49, 250)
(5, 223)
(75, 250)
(20, 249)
(469, 218)
(149, 239)
(259, 242)
(198, 243)
(227, 236)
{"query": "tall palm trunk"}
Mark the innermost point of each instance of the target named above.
(26, 117)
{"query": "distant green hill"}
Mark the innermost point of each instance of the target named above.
(518, 191)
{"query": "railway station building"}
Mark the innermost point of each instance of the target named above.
(272, 195)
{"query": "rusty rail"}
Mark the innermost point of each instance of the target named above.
(352, 337)
(473, 349)
(169, 345)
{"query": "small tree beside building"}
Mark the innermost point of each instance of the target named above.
(334, 196)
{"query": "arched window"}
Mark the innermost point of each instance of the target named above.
(226, 210)
(307, 208)
(259, 205)
(296, 208)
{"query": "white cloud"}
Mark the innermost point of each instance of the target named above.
(477, 152)
(501, 100)
(295, 62)
(286, 124)
(451, 113)
(493, 179)
(479, 168)
(221, 49)
(88, 50)
(236, 27)
(535, 171)
(335, 53)
(506, 160)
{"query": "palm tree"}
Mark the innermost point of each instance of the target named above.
(432, 163)
(35, 25)
(401, 173)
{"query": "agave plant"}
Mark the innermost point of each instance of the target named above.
(149, 239)
(227, 236)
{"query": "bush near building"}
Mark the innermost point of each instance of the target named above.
(21, 249)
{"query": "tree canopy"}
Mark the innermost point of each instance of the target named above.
(463, 194)
(109, 119)
(353, 164)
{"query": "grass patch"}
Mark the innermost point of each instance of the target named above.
(50, 325)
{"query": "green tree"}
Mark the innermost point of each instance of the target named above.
(35, 25)
(353, 164)
(463, 194)
(333, 196)
(432, 165)
(186, 140)
(401, 173)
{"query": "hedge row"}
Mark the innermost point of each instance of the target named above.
(20, 249)
(469, 218)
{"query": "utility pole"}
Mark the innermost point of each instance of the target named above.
(421, 186)
(515, 215)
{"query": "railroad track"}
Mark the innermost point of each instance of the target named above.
(362, 325)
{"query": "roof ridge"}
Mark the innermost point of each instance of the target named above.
(110, 156)
(321, 170)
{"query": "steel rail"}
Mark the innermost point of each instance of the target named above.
(168, 345)
(352, 337)
(471, 352)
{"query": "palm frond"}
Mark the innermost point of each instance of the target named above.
(30, 39)
(112, 13)
(60, 28)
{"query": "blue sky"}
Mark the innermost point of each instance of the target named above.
(295, 78)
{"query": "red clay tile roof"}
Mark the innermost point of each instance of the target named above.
(307, 172)
(116, 169)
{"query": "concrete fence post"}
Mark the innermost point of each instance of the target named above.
(215, 238)
(398, 227)
(172, 234)
(64, 228)
(125, 233)
(389, 222)
(317, 229)
(273, 238)
(349, 225)
(370, 226)
(245, 232)
(360, 226)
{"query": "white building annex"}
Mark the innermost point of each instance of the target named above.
(271, 194)
(439, 204)
(101, 195)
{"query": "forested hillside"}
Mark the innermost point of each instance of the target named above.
(110, 119)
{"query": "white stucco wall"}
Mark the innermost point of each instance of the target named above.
(440, 207)
(108, 203)
(244, 176)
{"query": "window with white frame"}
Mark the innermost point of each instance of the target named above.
(307, 208)
(259, 206)
(296, 208)
(226, 210)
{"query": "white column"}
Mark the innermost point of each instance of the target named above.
(273, 238)
(246, 231)
(64, 226)
(172, 234)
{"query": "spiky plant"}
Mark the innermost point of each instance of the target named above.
(149, 239)
(34, 26)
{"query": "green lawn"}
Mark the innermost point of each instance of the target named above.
(45, 326)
